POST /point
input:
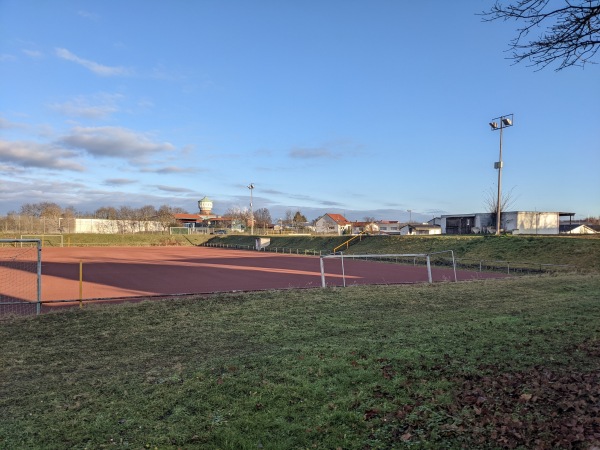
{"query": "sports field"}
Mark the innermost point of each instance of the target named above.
(122, 272)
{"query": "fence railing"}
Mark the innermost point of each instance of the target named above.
(284, 250)
(480, 265)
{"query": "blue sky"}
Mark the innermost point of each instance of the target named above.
(352, 107)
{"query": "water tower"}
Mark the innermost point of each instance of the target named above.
(205, 206)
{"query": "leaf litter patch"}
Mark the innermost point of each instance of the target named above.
(539, 408)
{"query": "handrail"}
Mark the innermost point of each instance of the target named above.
(347, 243)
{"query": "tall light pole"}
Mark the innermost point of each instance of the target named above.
(499, 123)
(251, 187)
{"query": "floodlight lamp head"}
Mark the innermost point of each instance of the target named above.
(494, 125)
(251, 186)
(507, 122)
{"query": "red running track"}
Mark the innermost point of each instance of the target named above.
(117, 272)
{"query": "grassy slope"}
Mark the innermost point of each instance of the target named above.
(581, 252)
(364, 367)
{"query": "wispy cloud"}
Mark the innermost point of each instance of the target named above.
(115, 142)
(118, 181)
(162, 187)
(31, 154)
(312, 153)
(88, 15)
(33, 53)
(7, 125)
(173, 169)
(98, 106)
(328, 150)
(98, 69)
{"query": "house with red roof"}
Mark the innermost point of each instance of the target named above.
(333, 224)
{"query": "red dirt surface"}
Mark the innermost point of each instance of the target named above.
(117, 272)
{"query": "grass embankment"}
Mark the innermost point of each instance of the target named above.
(484, 364)
(583, 253)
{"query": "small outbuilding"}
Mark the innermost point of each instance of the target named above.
(420, 229)
(576, 228)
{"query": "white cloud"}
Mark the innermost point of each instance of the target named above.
(312, 153)
(98, 69)
(33, 154)
(99, 106)
(115, 142)
(88, 15)
(33, 53)
(6, 124)
(174, 169)
(118, 181)
(171, 188)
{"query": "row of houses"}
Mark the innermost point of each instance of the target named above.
(512, 222)
(338, 224)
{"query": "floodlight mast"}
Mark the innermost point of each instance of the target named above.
(251, 187)
(503, 122)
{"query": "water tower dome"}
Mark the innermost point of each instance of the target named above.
(205, 205)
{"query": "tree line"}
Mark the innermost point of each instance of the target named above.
(49, 217)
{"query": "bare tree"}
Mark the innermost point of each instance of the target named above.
(491, 202)
(289, 217)
(370, 226)
(570, 33)
(262, 217)
(106, 212)
(166, 216)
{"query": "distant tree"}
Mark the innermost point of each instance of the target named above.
(31, 210)
(299, 218)
(236, 213)
(569, 30)
(50, 209)
(370, 226)
(288, 218)
(48, 214)
(178, 210)
(42, 209)
(106, 212)
(491, 202)
(262, 218)
(166, 217)
(147, 212)
(592, 220)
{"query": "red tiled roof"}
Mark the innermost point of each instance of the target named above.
(183, 216)
(339, 219)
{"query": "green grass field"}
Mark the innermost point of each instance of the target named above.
(508, 363)
(490, 364)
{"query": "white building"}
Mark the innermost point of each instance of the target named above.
(576, 228)
(333, 224)
(514, 222)
(389, 226)
(367, 227)
(413, 229)
(109, 226)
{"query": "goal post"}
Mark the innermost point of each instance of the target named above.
(179, 230)
(47, 240)
(20, 276)
(397, 258)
